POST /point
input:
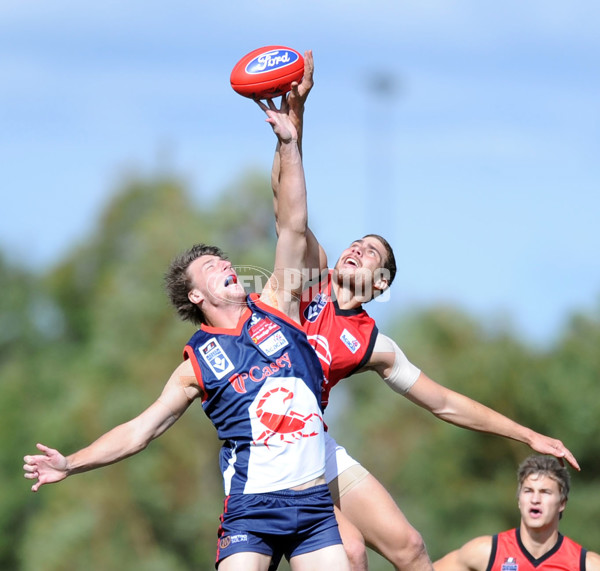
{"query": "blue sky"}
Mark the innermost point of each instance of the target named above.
(480, 164)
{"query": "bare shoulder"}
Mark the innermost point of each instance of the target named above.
(592, 561)
(184, 377)
(185, 370)
(472, 556)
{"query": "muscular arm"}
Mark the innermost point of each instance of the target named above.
(472, 556)
(459, 409)
(315, 255)
(285, 285)
(122, 441)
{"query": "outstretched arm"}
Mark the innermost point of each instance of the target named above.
(472, 556)
(122, 441)
(296, 100)
(454, 407)
(460, 410)
(285, 285)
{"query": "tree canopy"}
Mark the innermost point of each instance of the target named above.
(90, 342)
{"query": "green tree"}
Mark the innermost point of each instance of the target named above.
(454, 484)
(90, 343)
(117, 343)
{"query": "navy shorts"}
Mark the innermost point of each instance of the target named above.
(285, 522)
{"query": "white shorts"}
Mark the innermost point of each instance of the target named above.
(338, 462)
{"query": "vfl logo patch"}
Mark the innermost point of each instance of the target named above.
(314, 308)
(274, 59)
(350, 341)
(510, 564)
(216, 358)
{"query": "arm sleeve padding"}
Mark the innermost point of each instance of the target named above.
(404, 374)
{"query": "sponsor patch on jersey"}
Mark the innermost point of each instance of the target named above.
(350, 341)
(314, 308)
(510, 564)
(272, 344)
(214, 356)
(262, 329)
(267, 335)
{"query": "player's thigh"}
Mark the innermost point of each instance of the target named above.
(245, 561)
(331, 558)
(370, 508)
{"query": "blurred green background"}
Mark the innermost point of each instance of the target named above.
(89, 343)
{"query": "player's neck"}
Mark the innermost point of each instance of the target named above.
(346, 298)
(224, 316)
(539, 541)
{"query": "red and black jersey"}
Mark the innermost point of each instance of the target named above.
(343, 338)
(509, 554)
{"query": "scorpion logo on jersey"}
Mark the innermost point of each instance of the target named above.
(286, 414)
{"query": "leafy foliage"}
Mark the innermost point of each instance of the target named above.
(90, 344)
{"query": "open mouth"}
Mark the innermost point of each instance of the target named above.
(351, 262)
(230, 279)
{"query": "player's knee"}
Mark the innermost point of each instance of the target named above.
(410, 551)
(356, 552)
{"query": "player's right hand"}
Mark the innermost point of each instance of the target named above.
(49, 467)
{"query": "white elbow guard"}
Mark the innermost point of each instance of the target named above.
(404, 374)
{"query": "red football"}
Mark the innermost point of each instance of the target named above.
(267, 72)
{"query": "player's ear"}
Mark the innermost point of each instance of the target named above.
(381, 280)
(381, 284)
(563, 505)
(195, 296)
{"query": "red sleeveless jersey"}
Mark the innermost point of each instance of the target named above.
(509, 554)
(342, 338)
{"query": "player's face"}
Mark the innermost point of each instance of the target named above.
(361, 264)
(540, 502)
(214, 279)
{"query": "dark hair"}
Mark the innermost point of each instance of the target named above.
(178, 283)
(390, 260)
(545, 466)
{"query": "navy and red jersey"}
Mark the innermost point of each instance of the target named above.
(342, 338)
(509, 554)
(261, 384)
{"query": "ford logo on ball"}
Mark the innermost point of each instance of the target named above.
(267, 61)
